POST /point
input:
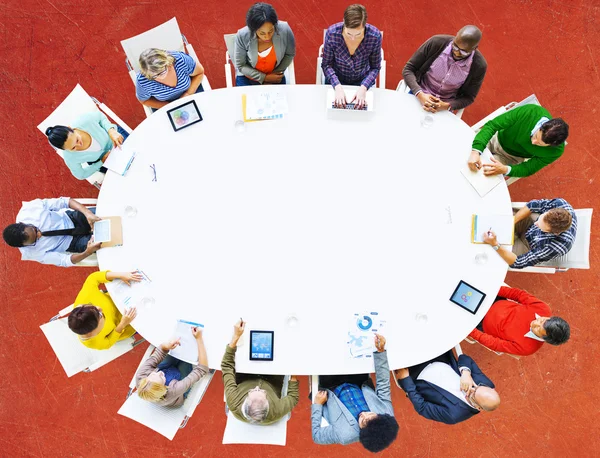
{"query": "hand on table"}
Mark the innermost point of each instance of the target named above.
(489, 237)
(379, 342)
(429, 102)
(128, 316)
(128, 277)
(115, 136)
(495, 168)
(340, 97)
(360, 98)
(474, 161)
(170, 345)
(273, 78)
(321, 397)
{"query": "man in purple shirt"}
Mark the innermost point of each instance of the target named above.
(352, 55)
(446, 72)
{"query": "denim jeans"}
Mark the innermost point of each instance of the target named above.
(244, 81)
(79, 242)
(184, 368)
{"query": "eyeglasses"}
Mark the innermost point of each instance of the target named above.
(257, 389)
(462, 51)
(471, 397)
(35, 231)
(161, 74)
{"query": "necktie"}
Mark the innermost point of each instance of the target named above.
(73, 231)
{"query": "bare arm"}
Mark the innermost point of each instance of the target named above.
(153, 103)
(522, 214)
(196, 79)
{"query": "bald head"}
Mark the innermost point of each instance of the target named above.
(469, 35)
(487, 398)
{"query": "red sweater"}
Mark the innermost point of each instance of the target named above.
(507, 322)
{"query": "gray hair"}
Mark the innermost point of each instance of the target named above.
(255, 411)
(153, 61)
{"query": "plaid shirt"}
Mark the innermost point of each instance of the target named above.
(352, 397)
(362, 67)
(543, 245)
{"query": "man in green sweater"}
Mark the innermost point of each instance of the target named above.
(255, 398)
(526, 132)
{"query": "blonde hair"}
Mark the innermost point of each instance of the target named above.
(153, 61)
(151, 391)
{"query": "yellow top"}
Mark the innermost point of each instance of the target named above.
(91, 294)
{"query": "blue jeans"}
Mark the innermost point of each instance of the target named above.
(184, 368)
(244, 81)
(198, 91)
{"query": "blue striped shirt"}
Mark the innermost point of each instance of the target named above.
(545, 246)
(184, 67)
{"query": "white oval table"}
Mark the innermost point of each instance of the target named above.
(313, 217)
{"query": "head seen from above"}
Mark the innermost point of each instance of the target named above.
(86, 319)
(155, 63)
(21, 234)
(552, 133)
(261, 19)
(554, 330)
(377, 431)
(465, 42)
(484, 398)
(256, 405)
(152, 388)
(63, 137)
(355, 21)
(555, 221)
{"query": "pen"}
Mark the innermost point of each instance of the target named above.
(490, 231)
(241, 321)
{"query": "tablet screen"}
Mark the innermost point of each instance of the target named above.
(467, 297)
(261, 345)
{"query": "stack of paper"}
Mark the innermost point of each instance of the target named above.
(119, 160)
(258, 106)
(482, 184)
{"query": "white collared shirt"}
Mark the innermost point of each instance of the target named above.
(531, 335)
(442, 375)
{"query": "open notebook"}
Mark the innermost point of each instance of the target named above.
(501, 225)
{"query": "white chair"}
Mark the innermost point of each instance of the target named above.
(289, 73)
(78, 102)
(73, 356)
(529, 100)
(579, 255)
(320, 79)
(164, 36)
(239, 432)
(403, 87)
(164, 420)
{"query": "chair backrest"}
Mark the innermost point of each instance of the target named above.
(230, 44)
(529, 100)
(578, 256)
(73, 356)
(164, 420)
(165, 36)
(239, 432)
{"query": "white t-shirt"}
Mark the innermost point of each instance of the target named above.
(94, 146)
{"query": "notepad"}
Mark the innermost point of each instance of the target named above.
(501, 225)
(482, 183)
(119, 160)
(261, 106)
(188, 347)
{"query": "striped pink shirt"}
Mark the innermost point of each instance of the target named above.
(446, 75)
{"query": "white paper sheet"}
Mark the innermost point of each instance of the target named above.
(266, 105)
(119, 160)
(134, 294)
(361, 334)
(188, 348)
(482, 184)
(501, 225)
(102, 231)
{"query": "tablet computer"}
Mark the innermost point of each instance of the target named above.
(184, 115)
(467, 297)
(261, 345)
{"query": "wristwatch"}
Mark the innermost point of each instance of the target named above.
(496, 247)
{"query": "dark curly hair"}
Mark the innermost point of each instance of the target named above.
(379, 433)
(84, 319)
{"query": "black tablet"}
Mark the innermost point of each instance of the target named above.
(184, 115)
(261, 345)
(467, 297)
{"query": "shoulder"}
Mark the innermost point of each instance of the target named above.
(479, 60)
(141, 80)
(86, 118)
(439, 40)
(283, 27)
(532, 109)
(244, 34)
(335, 30)
(372, 31)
